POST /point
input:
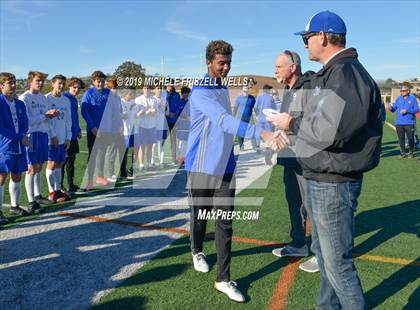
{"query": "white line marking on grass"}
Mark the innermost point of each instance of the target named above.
(28, 260)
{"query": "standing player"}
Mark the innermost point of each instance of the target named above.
(129, 111)
(13, 139)
(40, 131)
(172, 99)
(183, 124)
(75, 85)
(147, 106)
(161, 126)
(62, 127)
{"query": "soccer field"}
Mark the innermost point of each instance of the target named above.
(386, 250)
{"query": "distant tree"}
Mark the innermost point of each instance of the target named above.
(389, 82)
(130, 72)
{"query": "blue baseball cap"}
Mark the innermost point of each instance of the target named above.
(324, 21)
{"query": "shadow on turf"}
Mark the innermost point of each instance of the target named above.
(389, 222)
(122, 303)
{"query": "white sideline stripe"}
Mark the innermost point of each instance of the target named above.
(28, 260)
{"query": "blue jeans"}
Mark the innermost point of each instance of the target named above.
(331, 207)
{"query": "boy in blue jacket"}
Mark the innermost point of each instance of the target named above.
(406, 107)
(211, 164)
(13, 140)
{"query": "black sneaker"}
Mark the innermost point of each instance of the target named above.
(34, 208)
(73, 188)
(18, 211)
(3, 219)
(43, 201)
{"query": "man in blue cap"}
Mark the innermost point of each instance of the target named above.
(347, 144)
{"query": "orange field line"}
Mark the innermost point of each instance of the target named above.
(398, 261)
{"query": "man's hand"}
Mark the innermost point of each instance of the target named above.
(52, 113)
(141, 112)
(403, 111)
(275, 141)
(171, 114)
(94, 131)
(26, 142)
(281, 121)
(66, 144)
(54, 141)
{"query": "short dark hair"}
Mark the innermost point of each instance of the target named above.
(58, 77)
(267, 87)
(336, 39)
(6, 76)
(74, 80)
(218, 47)
(185, 90)
(98, 75)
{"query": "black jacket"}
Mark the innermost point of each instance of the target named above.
(339, 135)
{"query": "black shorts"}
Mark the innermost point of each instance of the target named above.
(73, 148)
(171, 126)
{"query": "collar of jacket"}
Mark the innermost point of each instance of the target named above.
(348, 53)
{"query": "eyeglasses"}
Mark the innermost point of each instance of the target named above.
(290, 54)
(305, 38)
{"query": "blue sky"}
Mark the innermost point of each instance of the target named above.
(78, 37)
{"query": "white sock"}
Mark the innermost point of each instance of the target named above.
(1, 197)
(50, 179)
(153, 153)
(29, 186)
(57, 175)
(37, 184)
(14, 189)
(161, 152)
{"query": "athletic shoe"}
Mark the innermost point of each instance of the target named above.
(112, 179)
(3, 219)
(403, 155)
(200, 263)
(291, 251)
(311, 265)
(42, 201)
(101, 181)
(73, 188)
(18, 211)
(33, 207)
(410, 155)
(56, 197)
(229, 288)
(61, 194)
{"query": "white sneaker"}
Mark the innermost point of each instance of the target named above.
(291, 251)
(112, 179)
(200, 263)
(311, 265)
(229, 288)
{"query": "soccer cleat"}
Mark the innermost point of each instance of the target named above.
(291, 251)
(101, 181)
(200, 263)
(33, 208)
(18, 211)
(3, 219)
(73, 188)
(311, 265)
(112, 179)
(42, 200)
(229, 288)
(61, 194)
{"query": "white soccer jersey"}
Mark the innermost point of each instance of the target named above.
(36, 107)
(129, 109)
(161, 123)
(144, 104)
(62, 123)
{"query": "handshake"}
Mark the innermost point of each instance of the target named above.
(277, 140)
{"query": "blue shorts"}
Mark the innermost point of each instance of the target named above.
(161, 134)
(38, 153)
(146, 136)
(57, 154)
(13, 163)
